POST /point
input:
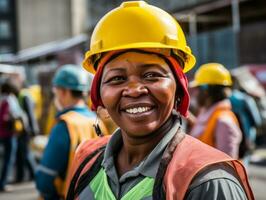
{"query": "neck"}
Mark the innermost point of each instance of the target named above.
(73, 103)
(135, 150)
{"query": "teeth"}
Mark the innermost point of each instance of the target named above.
(137, 110)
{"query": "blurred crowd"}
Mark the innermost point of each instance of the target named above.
(221, 114)
(17, 126)
(28, 154)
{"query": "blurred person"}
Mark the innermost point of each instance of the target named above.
(11, 116)
(74, 125)
(247, 112)
(25, 161)
(216, 124)
(139, 78)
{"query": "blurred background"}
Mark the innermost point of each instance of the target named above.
(38, 36)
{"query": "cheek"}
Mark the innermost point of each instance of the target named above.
(110, 97)
(165, 92)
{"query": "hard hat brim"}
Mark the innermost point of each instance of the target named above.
(88, 63)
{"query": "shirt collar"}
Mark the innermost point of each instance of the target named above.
(149, 166)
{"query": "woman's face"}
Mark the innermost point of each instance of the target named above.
(138, 90)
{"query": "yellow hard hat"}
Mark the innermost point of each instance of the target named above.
(212, 74)
(136, 24)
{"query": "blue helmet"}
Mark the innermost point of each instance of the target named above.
(71, 77)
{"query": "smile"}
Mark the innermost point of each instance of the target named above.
(138, 110)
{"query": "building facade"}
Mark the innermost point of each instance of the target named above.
(8, 27)
(29, 23)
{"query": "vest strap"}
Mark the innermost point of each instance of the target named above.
(158, 190)
(80, 129)
(73, 190)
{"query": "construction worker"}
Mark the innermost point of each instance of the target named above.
(247, 113)
(74, 125)
(25, 160)
(216, 124)
(139, 78)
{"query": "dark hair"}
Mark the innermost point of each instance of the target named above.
(77, 94)
(216, 92)
(10, 87)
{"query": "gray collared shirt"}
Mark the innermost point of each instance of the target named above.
(147, 168)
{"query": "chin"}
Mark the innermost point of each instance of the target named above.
(139, 131)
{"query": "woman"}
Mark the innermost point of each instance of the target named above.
(216, 124)
(139, 54)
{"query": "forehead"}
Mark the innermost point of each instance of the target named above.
(136, 58)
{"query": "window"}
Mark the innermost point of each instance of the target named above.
(5, 31)
(4, 5)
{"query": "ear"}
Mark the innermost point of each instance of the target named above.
(102, 113)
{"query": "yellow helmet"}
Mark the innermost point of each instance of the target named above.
(212, 74)
(136, 24)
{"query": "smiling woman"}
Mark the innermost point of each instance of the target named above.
(138, 88)
(139, 78)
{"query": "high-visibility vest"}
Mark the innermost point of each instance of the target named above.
(189, 157)
(101, 189)
(80, 129)
(208, 135)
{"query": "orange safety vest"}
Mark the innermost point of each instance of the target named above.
(80, 129)
(190, 157)
(208, 135)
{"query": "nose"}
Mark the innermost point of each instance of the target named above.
(134, 88)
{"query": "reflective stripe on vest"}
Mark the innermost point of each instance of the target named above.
(208, 136)
(100, 187)
(80, 129)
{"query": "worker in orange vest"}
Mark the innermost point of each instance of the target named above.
(74, 124)
(139, 54)
(216, 124)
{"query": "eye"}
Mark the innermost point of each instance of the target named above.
(152, 75)
(115, 79)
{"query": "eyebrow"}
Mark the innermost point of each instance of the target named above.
(116, 69)
(155, 65)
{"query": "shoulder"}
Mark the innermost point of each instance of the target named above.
(79, 114)
(90, 146)
(86, 154)
(59, 126)
(228, 124)
(85, 112)
(59, 133)
(89, 113)
(227, 119)
(218, 181)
